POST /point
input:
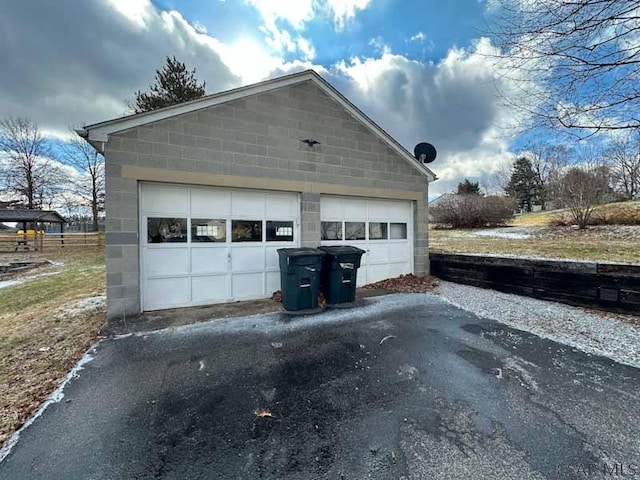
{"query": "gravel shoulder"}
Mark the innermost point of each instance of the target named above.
(610, 335)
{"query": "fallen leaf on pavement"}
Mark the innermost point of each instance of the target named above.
(387, 338)
(262, 412)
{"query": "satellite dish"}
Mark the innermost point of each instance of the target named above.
(425, 152)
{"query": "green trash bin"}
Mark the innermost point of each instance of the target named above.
(340, 273)
(300, 278)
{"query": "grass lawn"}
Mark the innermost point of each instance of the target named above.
(45, 328)
(590, 245)
(531, 235)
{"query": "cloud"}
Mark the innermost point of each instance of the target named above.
(295, 13)
(452, 104)
(300, 12)
(82, 72)
(418, 37)
(67, 72)
(345, 10)
(199, 27)
(379, 46)
(286, 38)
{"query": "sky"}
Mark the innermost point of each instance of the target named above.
(420, 68)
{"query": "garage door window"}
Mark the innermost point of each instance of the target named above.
(377, 231)
(398, 231)
(166, 230)
(355, 230)
(207, 230)
(279, 231)
(246, 231)
(331, 230)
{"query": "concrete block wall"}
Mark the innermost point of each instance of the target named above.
(123, 273)
(257, 137)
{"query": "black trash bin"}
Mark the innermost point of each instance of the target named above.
(339, 273)
(300, 278)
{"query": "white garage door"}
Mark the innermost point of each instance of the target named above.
(204, 245)
(384, 228)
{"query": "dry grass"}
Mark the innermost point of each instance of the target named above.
(614, 244)
(39, 342)
(536, 219)
(624, 212)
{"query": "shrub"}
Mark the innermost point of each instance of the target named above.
(472, 211)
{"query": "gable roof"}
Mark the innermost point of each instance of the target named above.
(445, 197)
(26, 215)
(99, 132)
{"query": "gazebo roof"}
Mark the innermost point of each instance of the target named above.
(25, 215)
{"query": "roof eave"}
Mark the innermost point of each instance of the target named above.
(100, 131)
(98, 134)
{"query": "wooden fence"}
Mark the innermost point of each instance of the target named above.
(12, 242)
(607, 286)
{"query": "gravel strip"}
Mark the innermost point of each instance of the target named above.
(604, 334)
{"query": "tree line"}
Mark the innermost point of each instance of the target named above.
(556, 176)
(545, 177)
(35, 175)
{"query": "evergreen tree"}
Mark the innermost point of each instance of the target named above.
(174, 84)
(468, 188)
(523, 186)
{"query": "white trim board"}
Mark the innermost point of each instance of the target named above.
(99, 132)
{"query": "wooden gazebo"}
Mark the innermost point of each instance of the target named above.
(27, 216)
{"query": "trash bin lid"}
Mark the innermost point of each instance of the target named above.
(300, 252)
(341, 250)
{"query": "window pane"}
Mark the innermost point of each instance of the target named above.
(331, 230)
(354, 231)
(246, 230)
(166, 230)
(279, 231)
(205, 230)
(377, 231)
(398, 231)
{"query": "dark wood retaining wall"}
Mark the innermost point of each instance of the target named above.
(607, 286)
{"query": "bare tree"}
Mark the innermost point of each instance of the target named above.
(572, 63)
(27, 170)
(624, 158)
(583, 189)
(548, 163)
(90, 163)
(496, 183)
(70, 204)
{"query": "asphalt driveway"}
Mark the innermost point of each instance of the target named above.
(406, 387)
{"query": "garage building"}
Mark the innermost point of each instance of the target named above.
(200, 195)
